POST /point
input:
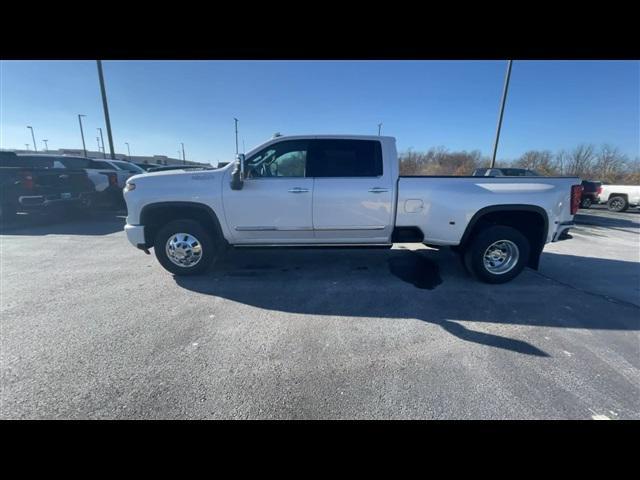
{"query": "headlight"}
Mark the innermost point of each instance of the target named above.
(129, 186)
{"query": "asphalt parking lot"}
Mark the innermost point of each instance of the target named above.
(93, 328)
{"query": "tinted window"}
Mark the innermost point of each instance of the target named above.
(284, 159)
(28, 161)
(74, 162)
(129, 167)
(345, 158)
(101, 165)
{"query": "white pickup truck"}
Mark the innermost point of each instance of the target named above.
(328, 190)
(620, 197)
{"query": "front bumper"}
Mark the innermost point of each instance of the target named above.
(562, 231)
(135, 235)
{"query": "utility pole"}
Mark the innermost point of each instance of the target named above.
(27, 145)
(184, 159)
(98, 140)
(236, 120)
(35, 146)
(84, 147)
(104, 155)
(504, 97)
(243, 149)
(46, 147)
(379, 128)
(106, 109)
(128, 150)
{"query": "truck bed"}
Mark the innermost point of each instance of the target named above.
(443, 206)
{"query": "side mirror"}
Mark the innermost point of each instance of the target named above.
(237, 175)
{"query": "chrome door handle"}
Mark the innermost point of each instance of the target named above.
(378, 190)
(298, 190)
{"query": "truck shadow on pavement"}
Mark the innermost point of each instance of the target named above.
(101, 222)
(602, 221)
(426, 285)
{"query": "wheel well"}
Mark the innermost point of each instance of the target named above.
(623, 195)
(154, 216)
(531, 223)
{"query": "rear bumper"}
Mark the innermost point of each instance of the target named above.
(562, 231)
(29, 202)
(135, 235)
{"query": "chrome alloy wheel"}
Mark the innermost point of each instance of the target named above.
(184, 250)
(501, 256)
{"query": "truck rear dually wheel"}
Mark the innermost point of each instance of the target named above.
(497, 254)
(184, 247)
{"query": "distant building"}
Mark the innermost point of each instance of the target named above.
(153, 160)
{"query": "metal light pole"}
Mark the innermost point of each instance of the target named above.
(184, 159)
(46, 147)
(84, 147)
(27, 145)
(104, 155)
(128, 150)
(379, 128)
(35, 147)
(504, 97)
(236, 120)
(243, 149)
(106, 109)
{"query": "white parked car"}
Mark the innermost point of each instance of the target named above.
(328, 190)
(620, 197)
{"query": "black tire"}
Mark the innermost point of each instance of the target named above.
(210, 243)
(586, 203)
(617, 204)
(474, 254)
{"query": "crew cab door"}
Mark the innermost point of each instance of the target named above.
(352, 193)
(274, 204)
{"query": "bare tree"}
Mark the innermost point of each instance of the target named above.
(580, 161)
(540, 161)
(609, 164)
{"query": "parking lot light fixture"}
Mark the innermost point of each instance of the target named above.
(35, 147)
(46, 147)
(84, 147)
(104, 155)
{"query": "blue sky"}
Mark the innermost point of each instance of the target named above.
(155, 105)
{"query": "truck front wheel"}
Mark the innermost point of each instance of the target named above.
(184, 247)
(497, 254)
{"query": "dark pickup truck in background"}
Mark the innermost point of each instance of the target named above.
(590, 193)
(31, 185)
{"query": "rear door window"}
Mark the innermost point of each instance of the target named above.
(344, 158)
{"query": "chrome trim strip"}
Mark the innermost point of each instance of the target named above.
(302, 244)
(366, 227)
(273, 229)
